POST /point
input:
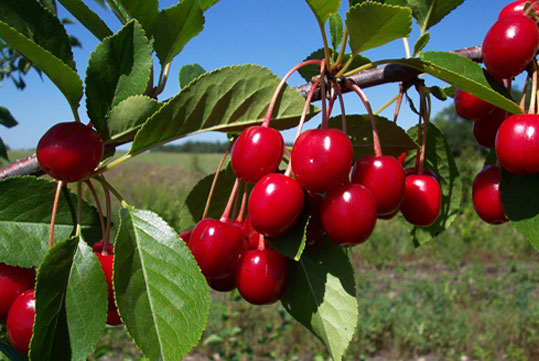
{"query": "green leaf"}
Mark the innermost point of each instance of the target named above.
(3, 150)
(323, 9)
(126, 118)
(118, 68)
(161, 294)
(175, 26)
(145, 11)
(321, 295)
(310, 71)
(372, 24)
(421, 42)
(206, 4)
(38, 25)
(226, 99)
(11, 353)
(394, 139)
(336, 30)
(292, 243)
(87, 17)
(439, 158)
(520, 201)
(464, 74)
(6, 119)
(64, 77)
(25, 215)
(188, 73)
(195, 202)
(420, 10)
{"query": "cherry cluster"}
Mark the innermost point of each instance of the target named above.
(509, 48)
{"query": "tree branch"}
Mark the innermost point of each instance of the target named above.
(390, 73)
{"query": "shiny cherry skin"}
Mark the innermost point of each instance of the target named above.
(510, 45)
(517, 144)
(262, 276)
(13, 281)
(516, 7)
(486, 195)
(322, 159)
(257, 152)
(485, 129)
(20, 321)
(422, 199)
(384, 177)
(275, 204)
(69, 151)
(470, 107)
(216, 247)
(349, 214)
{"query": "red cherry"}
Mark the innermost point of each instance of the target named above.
(402, 158)
(485, 129)
(486, 195)
(113, 318)
(516, 7)
(186, 236)
(216, 247)
(13, 281)
(223, 284)
(106, 262)
(275, 204)
(20, 321)
(322, 159)
(384, 177)
(69, 151)
(262, 276)
(349, 214)
(509, 46)
(422, 199)
(257, 152)
(315, 230)
(470, 107)
(517, 144)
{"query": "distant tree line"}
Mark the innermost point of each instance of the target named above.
(195, 147)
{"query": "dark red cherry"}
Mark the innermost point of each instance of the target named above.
(422, 199)
(13, 281)
(69, 151)
(20, 321)
(517, 144)
(106, 262)
(510, 45)
(275, 204)
(384, 177)
(485, 129)
(486, 195)
(470, 107)
(349, 214)
(516, 7)
(322, 159)
(216, 247)
(113, 318)
(315, 230)
(257, 152)
(262, 276)
(223, 284)
(186, 236)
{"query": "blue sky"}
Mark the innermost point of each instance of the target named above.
(277, 34)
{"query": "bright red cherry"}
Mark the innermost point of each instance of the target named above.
(106, 262)
(13, 281)
(402, 158)
(20, 321)
(509, 46)
(262, 276)
(517, 144)
(322, 159)
(516, 7)
(275, 204)
(470, 107)
(216, 247)
(257, 152)
(486, 195)
(422, 199)
(485, 129)
(349, 214)
(69, 151)
(384, 177)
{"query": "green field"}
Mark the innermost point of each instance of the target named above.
(470, 294)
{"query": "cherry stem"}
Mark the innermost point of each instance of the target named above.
(226, 212)
(214, 182)
(301, 122)
(54, 210)
(524, 91)
(426, 112)
(325, 117)
(398, 105)
(112, 190)
(419, 140)
(79, 208)
(375, 137)
(273, 101)
(261, 244)
(98, 206)
(106, 239)
(241, 212)
(533, 96)
(527, 11)
(341, 102)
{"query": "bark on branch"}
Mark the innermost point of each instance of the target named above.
(385, 74)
